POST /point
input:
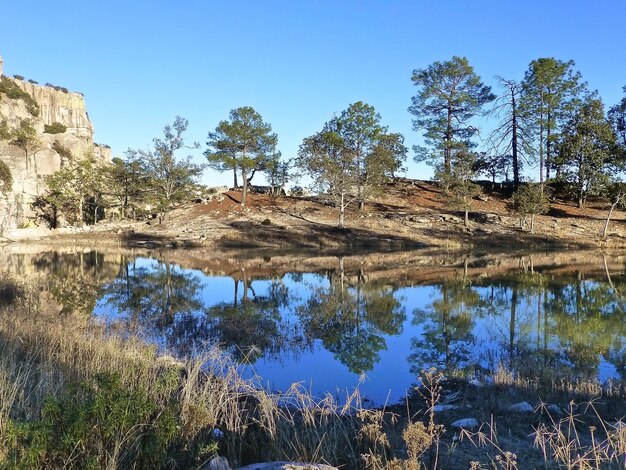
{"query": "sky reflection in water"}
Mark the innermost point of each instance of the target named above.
(323, 328)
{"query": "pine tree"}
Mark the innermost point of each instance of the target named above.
(244, 143)
(450, 95)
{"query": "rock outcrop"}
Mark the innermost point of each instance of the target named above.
(56, 107)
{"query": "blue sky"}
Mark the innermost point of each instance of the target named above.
(140, 63)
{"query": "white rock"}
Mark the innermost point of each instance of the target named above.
(219, 463)
(521, 407)
(465, 423)
(287, 466)
(440, 408)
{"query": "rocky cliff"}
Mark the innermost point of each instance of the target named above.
(40, 107)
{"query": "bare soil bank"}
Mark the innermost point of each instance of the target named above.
(409, 214)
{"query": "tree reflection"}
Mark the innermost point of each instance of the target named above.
(447, 323)
(74, 280)
(350, 317)
(253, 325)
(588, 320)
(160, 298)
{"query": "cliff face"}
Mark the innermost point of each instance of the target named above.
(30, 168)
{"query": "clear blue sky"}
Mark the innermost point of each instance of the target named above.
(140, 63)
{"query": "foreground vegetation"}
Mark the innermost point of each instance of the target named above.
(76, 395)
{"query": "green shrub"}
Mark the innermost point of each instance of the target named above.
(5, 132)
(18, 77)
(6, 179)
(34, 82)
(54, 128)
(104, 424)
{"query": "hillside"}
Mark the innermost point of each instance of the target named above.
(409, 214)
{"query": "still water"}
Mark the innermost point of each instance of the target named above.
(332, 321)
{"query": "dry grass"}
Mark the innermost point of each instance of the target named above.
(41, 357)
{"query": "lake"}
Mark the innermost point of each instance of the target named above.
(331, 322)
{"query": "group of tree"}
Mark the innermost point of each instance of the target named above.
(147, 181)
(549, 120)
(352, 156)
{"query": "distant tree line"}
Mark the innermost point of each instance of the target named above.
(549, 121)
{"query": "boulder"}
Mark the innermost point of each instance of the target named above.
(287, 466)
(441, 408)
(465, 423)
(555, 410)
(218, 463)
(521, 407)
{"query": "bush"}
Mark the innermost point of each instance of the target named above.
(102, 424)
(54, 128)
(57, 87)
(529, 200)
(5, 132)
(6, 179)
(18, 77)
(34, 82)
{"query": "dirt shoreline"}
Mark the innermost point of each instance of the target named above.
(408, 216)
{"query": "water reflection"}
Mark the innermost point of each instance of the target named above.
(252, 325)
(448, 325)
(160, 299)
(351, 317)
(543, 320)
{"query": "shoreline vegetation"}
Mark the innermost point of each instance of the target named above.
(411, 214)
(77, 394)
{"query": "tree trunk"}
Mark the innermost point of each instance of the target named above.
(341, 210)
(514, 143)
(532, 223)
(608, 217)
(235, 183)
(466, 220)
(541, 154)
(80, 211)
(548, 156)
(448, 150)
(245, 188)
(512, 320)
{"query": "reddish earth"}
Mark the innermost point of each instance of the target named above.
(409, 213)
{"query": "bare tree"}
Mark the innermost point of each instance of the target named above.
(512, 135)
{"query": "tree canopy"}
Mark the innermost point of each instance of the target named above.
(588, 154)
(450, 95)
(244, 143)
(551, 91)
(352, 156)
(169, 180)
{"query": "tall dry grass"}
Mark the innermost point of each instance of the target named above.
(41, 356)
